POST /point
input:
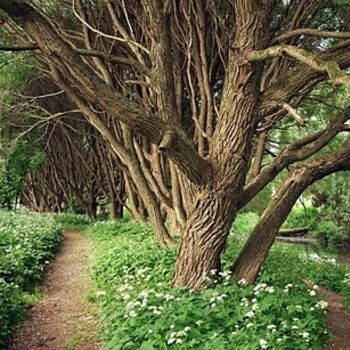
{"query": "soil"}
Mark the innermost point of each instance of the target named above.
(338, 318)
(63, 318)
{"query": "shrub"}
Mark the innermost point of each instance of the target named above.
(301, 216)
(328, 231)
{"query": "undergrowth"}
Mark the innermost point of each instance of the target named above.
(27, 243)
(69, 221)
(133, 275)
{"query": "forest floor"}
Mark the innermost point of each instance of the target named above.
(63, 318)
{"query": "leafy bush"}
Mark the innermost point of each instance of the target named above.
(301, 216)
(70, 221)
(141, 312)
(327, 230)
(27, 243)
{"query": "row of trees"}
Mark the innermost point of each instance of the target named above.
(181, 107)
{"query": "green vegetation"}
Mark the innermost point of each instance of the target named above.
(141, 311)
(71, 221)
(27, 243)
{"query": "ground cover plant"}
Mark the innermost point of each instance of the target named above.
(141, 311)
(70, 221)
(27, 243)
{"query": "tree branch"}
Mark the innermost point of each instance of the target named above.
(107, 35)
(113, 59)
(78, 73)
(19, 48)
(296, 116)
(310, 32)
(298, 151)
(335, 74)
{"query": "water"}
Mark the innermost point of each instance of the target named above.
(340, 254)
(343, 257)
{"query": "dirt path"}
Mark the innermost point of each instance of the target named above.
(63, 319)
(338, 318)
(338, 321)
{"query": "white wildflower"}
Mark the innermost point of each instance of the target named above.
(171, 341)
(250, 314)
(242, 282)
(321, 304)
(263, 343)
(132, 313)
(270, 290)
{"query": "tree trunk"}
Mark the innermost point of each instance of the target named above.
(254, 253)
(203, 241)
(215, 207)
(117, 208)
(257, 247)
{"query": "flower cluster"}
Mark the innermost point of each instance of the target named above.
(263, 287)
(178, 337)
(217, 298)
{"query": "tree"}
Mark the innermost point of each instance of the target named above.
(186, 94)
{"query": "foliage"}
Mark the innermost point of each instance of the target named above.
(23, 158)
(244, 223)
(303, 216)
(327, 230)
(258, 204)
(332, 198)
(142, 312)
(27, 243)
(72, 221)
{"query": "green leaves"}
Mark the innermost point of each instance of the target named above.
(23, 157)
(147, 346)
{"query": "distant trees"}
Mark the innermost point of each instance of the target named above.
(193, 97)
